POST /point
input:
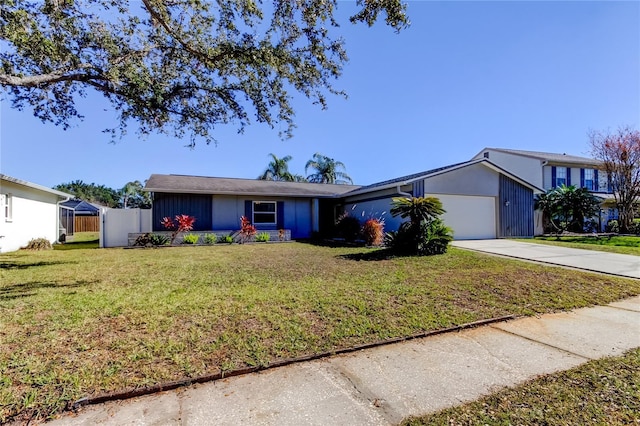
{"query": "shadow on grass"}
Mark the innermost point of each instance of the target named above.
(17, 291)
(19, 265)
(373, 255)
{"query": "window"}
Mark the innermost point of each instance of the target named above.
(603, 182)
(561, 176)
(264, 212)
(5, 202)
(589, 179)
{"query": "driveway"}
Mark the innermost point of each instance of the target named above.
(623, 265)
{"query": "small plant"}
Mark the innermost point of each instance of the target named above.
(635, 227)
(225, 239)
(190, 239)
(183, 223)
(263, 237)
(38, 244)
(210, 238)
(373, 232)
(158, 240)
(247, 230)
(613, 226)
(281, 234)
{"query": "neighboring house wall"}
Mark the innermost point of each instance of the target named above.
(32, 214)
(526, 168)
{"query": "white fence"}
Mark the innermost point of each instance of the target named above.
(118, 223)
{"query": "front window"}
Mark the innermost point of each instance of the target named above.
(589, 179)
(264, 212)
(5, 202)
(603, 182)
(561, 176)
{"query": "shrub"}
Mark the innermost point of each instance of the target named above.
(190, 239)
(373, 232)
(158, 240)
(424, 233)
(210, 238)
(613, 226)
(247, 230)
(225, 239)
(263, 237)
(183, 223)
(38, 244)
(348, 227)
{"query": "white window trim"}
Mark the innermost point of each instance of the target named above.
(7, 207)
(559, 171)
(275, 212)
(591, 178)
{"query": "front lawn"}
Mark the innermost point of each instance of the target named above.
(600, 392)
(79, 323)
(615, 244)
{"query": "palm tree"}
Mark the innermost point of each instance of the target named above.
(566, 207)
(327, 169)
(417, 209)
(278, 169)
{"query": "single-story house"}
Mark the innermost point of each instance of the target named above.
(482, 200)
(218, 203)
(29, 211)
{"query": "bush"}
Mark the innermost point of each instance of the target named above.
(158, 240)
(263, 237)
(247, 230)
(433, 237)
(190, 239)
(38, 244)
(225, 239)
(613, 226)
(210, 238)
(635, 227)
(373, 232)
(348, 227)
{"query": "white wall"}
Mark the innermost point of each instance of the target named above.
(34, 215)
(116, 224)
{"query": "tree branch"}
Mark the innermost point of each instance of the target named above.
(50, 78)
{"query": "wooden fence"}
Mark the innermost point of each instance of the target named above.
(87, 224)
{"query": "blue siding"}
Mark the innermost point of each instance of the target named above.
(170, 205)
(516, 218)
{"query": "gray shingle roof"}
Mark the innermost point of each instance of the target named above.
(550, 156)
(407, 177)
(234, 186)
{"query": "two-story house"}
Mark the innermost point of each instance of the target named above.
(549, 170)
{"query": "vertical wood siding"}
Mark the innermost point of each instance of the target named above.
(170, 205)
(516, 219)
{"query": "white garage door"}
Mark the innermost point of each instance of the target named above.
(471, 217)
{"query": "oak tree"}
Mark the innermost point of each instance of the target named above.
(176, 67)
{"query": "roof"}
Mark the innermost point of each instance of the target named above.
(409, 179)
(34, 186)
(548, 156)
(234, 186)
(81, 206)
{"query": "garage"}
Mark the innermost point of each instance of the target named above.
(470, 217)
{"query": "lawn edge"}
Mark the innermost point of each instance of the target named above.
(161, 387)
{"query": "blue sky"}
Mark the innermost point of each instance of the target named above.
(525, 75)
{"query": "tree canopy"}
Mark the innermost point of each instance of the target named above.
(327, 170)
(620, 155)
(179, 67)
(565, 208)
(91, 192)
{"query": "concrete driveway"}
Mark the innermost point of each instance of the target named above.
(623, 265)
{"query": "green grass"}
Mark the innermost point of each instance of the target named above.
(601, 392)
(80, 240)
(82, 322)
(615, 244)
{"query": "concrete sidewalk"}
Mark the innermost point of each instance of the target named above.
(623, 265)
(384, 385)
